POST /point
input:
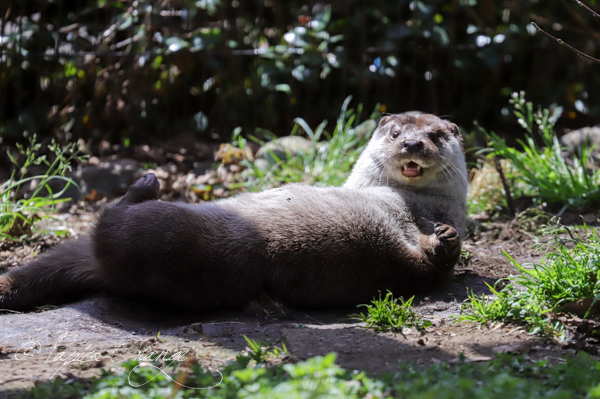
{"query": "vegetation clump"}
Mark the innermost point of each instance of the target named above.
(319, 377)
(18, 214)
(325, 163)
(540, 167)
(391, 314)
(568, 278)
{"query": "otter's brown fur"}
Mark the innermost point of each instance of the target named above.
(394, 225)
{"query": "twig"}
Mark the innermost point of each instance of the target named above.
(594, 13)
(562, 43)
(11, 380)
(509, 199)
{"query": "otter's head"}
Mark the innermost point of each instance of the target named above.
(412, 150)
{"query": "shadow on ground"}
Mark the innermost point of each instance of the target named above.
(80, 339)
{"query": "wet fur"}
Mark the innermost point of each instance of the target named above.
(305, 246)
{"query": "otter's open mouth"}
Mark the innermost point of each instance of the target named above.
(412, 169)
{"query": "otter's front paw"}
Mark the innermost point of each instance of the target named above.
(143, 189)
(447, 241)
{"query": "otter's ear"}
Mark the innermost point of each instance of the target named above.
(455, 130)
(384, 120)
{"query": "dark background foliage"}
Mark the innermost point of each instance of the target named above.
(133, 70)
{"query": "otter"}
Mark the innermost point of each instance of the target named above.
(396, 224)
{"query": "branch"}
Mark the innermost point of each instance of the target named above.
(562, 43)
(509, 200)
(594, 13)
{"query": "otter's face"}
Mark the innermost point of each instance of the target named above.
(417, 148)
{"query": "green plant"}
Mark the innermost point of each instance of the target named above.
(509, 305)
(542, 166)
(260, 352)
(326, 163)
(17, 215)
(319, 377)
(391, 314)
(569, 272)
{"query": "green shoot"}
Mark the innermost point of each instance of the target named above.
(391, 314)
(17, 216)
(542, 166)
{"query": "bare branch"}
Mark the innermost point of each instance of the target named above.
(562, 43)
(594, 13)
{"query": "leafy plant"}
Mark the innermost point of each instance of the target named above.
(391, 314)
(319, 377)
(542, 166)
(326, 163)
(260, 352)
(570, 271)
(509, 305)
(17, 215)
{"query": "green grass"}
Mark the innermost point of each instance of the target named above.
(505, 376)
(391, 314)
(17, 216)
(569, 271)
(327, 163)
(260, 352)
(541, 166)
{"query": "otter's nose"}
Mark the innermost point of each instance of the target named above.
(412, 145)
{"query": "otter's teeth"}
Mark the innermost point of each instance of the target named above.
(411, 169)
(418, 168)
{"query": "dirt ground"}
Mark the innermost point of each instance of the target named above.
(80, 339)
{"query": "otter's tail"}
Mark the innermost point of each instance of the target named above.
(65, 273)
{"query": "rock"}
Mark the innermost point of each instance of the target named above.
(364, 128)
(517, 348)
(279, 147)
(107, 179)
(197, 327)
(575, 139)
(262, 164)
(583, 307)
(218, 329)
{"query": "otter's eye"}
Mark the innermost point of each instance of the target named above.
(395, 135)
(435, 136)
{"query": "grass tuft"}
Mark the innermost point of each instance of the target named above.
(326, 163)
(391, 314)
(541, 165)
(17, 216)
(319, 377)
(569, 272)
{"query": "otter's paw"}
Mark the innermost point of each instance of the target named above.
(144, 189)
(447, 241)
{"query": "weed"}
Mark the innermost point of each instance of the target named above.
(260, 352)
(485, 191)
(569, 271)
(509, 305)
(326, 163)
(319, 377)
(391, 314)
(542, 167)
(17, 216)
(465, 257)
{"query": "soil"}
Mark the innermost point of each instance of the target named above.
(79, 340)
